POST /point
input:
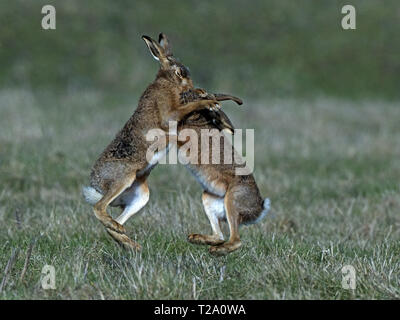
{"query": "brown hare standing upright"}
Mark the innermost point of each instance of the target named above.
(227, 196)
(118, 177)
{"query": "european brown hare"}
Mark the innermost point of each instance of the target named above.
(227, 196)
(118, 177)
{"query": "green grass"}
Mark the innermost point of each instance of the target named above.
(331, 168)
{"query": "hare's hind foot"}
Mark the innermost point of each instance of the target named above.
(124, 240)
(114, 225)
(196, 238)
(109, 222)
(225, 248)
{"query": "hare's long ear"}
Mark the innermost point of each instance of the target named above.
(155, 49)
(164, 42)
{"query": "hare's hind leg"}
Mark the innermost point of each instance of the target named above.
(117, 187)
(233, 218)
(135, 198)
(214, 208)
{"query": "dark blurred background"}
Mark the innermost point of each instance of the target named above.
(253, 48)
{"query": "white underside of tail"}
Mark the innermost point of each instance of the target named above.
(91, 195)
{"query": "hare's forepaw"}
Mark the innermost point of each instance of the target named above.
(215, 107)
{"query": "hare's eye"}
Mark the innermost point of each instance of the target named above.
(178, 73)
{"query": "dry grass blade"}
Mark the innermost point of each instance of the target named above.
(85, 271)
(27, 258)
(9, 267)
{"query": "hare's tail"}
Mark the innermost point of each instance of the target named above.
(266, 208)
(91, 195)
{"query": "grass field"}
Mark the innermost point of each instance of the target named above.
(331, 168)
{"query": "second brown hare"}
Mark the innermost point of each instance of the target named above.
(227, 196)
